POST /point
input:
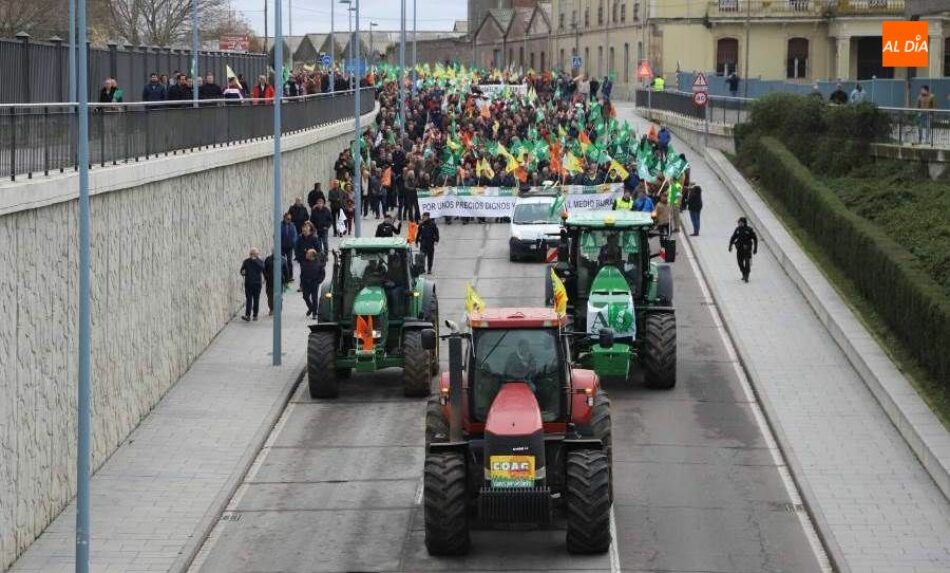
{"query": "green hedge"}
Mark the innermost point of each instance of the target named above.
(885, 273)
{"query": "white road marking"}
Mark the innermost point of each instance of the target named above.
(614, 552)
(807, 526)
(419, 491)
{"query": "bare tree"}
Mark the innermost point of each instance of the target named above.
(39, 18)
(163, 22)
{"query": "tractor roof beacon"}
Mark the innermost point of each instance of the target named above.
(612, 281)
(516, 435)
(372, 314)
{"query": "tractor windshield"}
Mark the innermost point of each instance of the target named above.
(517, 356)
(379, 268)
(599, 247)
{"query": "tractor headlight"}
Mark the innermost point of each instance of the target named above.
(377, 334)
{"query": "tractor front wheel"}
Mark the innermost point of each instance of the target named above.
(416, 365)
(437, 428)
(446, 504)
(321, 361)
(659, 351)
(588, 501)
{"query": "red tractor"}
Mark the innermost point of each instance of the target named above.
(515, 435)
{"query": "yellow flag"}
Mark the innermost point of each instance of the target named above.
(484, 168)
(619, 170)
(572, 164)
(473, 302)
(560, 295)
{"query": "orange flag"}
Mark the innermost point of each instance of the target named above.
(364, 331)
(651, 136)
(388, 177)
(583, 138)
(412, 232)
(554, 149)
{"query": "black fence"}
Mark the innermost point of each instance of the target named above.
(721, 109)
(38, 72)
(41, 139)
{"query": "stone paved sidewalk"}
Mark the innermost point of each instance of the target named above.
(879, 508)
(156, 498)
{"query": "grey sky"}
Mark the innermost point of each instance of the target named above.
(313, 16)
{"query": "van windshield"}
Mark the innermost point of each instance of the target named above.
(534, 214)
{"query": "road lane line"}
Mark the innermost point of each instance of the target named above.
(772, 446)
(614, 552)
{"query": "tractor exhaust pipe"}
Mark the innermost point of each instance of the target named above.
(455, 387)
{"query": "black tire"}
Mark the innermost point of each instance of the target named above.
(600, 422)
(588, 501)
(431, 313)
(321, 362)
(437, 427)
(446, 504)
(659, 351)
(416, 377)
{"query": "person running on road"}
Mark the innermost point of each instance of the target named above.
(252, 269)
(427, 238)
(747, 244)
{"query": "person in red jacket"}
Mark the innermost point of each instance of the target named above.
(262, 91)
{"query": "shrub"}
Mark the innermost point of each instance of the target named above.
(883, 271)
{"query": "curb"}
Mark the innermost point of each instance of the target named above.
(828, 541)
(211, 517)
(920, 429)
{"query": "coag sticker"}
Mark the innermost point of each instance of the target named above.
(512, 471)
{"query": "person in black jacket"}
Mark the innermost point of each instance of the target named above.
(306, 241)
(154, 90)
(315, 193)
(312, 273)
(252, 269)
(180, 91)
(288, 239)
(322, 220)
(747, 244)
(209, 89)
(299, 214)
(269, 279)
(693, 202)
(427, 238)
(387, 228)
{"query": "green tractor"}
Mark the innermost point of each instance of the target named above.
(371, 315)
(612, 281)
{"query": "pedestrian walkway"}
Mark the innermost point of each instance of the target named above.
(156, 498)
(879, 507)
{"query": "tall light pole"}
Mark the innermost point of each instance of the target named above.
(415, 61)
(354, 49)
(71, 96)
(357, 139)
(349, 32)
(332, 49)
(372, 46)
(278, 177)
(402, 69)
(194, 52)
(748, 34)
(83, 461)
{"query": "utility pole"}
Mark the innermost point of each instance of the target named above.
(415, 61)
(372, 45)
(357, 139)
(83, 457)
(402, 70)
(349, 20)
(194, 52)
(265, 27)
(748, 36)
(278, 176)
(332, 53)
(71, 96)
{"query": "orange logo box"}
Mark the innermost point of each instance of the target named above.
(905, 44)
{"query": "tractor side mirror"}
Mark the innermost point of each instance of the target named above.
(429, 340)
(606, 338)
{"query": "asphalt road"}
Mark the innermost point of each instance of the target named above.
(699, 483)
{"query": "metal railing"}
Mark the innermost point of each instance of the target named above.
(924, 127)
(725, 110)
(41, 139)
(731, 9)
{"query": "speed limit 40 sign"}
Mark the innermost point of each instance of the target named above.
(700, 98)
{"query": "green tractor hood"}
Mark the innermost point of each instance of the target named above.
(371, 301)
(611, 306)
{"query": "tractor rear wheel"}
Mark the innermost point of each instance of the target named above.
(437, 428)
(321, 361)
(416, 367)
(659, 351)
(588, 501)
(446, 504)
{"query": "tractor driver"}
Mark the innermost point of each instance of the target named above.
(522, 365)
(375, 273)
(610, 253)
(394, 284)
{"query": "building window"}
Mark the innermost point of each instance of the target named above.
(560, 21)
(573, 18)
(610, 61)
(562, 66)
(614, 12)
(626, 63)
(600, 12)
(587, 17)
(521, 56)
(531, 61)
(639, 52)
(600, 60)
(797, 65)
(727, 56)
(511, 56)
(586, 59)
(623, 12)
(636, 11)
(730, 5)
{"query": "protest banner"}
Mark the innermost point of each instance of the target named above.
(500, 201)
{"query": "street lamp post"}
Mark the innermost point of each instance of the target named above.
(357, 139)
(194, 53)
(415, 61)
(332, 50)
(372, 46)
(402, 69)
(278, 175)
(349, 22)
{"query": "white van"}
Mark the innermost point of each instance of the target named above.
(534, 228)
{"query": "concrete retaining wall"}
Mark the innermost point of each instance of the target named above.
(693, 130)
(168, 237)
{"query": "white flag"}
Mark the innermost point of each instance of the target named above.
(341, 222)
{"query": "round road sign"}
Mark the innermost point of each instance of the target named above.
(700, 98)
